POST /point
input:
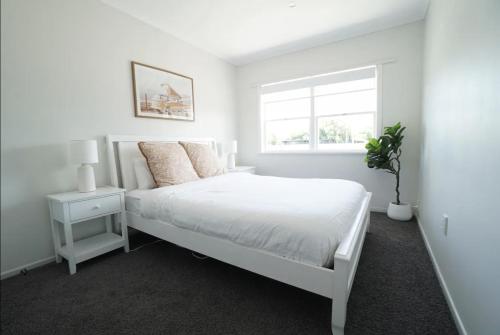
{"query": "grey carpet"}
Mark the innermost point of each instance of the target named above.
(162, 289)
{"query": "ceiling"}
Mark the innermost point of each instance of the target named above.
(242, 32)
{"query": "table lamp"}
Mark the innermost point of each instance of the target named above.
(84, 152)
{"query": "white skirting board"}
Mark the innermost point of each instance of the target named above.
(384, 209)
(454, 312)
(379, 209)
(13, 272)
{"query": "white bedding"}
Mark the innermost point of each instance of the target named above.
(301, 219)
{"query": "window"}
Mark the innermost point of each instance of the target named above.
(330, 112)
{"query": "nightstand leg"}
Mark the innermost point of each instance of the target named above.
(125, 230)
(56, 238)
(108, 224)
(117, 221)
(68, 234)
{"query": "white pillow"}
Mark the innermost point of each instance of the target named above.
(143, 176)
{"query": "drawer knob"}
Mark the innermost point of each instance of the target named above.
(96, 207)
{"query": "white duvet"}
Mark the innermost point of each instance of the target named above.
(301, 219)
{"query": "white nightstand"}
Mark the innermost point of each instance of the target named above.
(246, 169)
(74, 207)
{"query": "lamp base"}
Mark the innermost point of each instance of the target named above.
(86, 178)
(231, 161)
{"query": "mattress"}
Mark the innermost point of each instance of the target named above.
(300, 219)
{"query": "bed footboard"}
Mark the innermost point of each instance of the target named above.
(345, 265)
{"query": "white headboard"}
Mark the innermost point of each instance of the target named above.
(123, 150)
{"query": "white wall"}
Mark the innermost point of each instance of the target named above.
(461, 156)
(66, 75)
(401, 102)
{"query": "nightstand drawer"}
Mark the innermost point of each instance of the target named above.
(94, 207)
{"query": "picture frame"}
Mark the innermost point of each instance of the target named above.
(162, 94)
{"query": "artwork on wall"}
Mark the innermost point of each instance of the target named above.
(162, 94)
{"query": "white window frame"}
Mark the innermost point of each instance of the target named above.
(313, 142)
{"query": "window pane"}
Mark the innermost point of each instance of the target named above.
(342, 130)
(287, 135)
(364, 101)
(345, 86)
(287, 109)
(286, 95)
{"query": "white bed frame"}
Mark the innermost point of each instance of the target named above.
(334, 284)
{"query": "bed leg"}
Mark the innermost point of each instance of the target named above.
(338, 317)
(340, 296)
(337, 331)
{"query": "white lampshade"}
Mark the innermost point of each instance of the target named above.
(84, 152)
(233, 148)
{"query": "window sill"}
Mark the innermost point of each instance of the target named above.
(317, 152)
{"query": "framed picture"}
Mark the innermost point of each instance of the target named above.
(162, 94)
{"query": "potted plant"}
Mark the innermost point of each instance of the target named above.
(384, 153)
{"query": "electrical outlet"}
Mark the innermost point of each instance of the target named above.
(444, 224)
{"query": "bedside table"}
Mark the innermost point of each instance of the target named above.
(74, 207)
(246, 169)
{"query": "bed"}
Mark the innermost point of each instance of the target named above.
(258, 223)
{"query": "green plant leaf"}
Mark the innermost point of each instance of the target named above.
(383, 153)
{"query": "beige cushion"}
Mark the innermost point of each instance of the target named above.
(168, 163)
(203, 158)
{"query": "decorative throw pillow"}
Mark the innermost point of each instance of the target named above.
(143, 176)
(168, 162)
(203, 158)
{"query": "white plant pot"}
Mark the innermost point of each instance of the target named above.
(400, 212)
